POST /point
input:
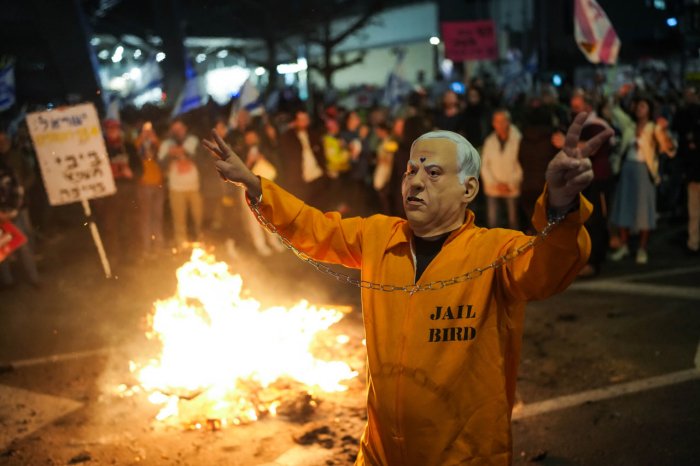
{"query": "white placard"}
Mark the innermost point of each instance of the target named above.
(71, 153)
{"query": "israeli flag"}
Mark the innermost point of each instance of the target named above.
(248, 99)
(192, 95)
(7, 86)
(113, 107)
(397, 87)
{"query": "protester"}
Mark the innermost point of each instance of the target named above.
(599, 192)
(535, 153)
(441, 364)
(355, 136)
(151, 193)
(177, 156)
(450, 117)
(269, 143)
(475, 117)
(13, 209)
(386, 148)
(634, 207)
(338, 164)
(501, 174)
(117, 215)
(303, 160)
(687, 126)
(265, 243)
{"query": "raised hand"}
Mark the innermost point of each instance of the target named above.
(231, 168)
(570, 171)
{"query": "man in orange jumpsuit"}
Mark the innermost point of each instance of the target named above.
(443, 362)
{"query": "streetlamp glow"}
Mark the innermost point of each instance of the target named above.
(434, 40)
(160, 56)
(259, 71)
(118, 54)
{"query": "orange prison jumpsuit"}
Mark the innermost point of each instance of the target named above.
(442, 364)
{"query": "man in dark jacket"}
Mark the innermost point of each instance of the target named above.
(304, 161)
(687, 126)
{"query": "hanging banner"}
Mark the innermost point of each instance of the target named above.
(470, 40)
(71, 153)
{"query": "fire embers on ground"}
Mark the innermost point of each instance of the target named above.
(224, 360)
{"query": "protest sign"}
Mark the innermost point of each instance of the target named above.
(71, 153)
(470, 40)
(11, 238)
(73, 161)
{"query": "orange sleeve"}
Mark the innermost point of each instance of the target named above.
(325, 237)
(553, 264)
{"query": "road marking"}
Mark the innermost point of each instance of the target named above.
(55, 358)
(599, 394)
(23, 412)
(646, 289)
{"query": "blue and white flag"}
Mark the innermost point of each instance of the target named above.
(248, 99)
(113, 107)
(192, 96)
(517, 76)
(7, 85)
(396, 86)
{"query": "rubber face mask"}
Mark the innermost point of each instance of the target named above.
(433, 197)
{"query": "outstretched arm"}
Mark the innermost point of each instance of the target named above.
(553, 264)
(324, 237)
(231, 168)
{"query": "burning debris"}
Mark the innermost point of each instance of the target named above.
(224, 360)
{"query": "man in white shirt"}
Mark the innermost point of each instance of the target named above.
(501, 173)
(177, 154)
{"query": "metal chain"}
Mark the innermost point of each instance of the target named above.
(432, 286)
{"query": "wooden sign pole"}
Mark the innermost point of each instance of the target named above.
(97, 239)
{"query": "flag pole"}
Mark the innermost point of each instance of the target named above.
(96, 237)
(610, 79)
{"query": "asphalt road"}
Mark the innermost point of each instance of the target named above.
(610, 370)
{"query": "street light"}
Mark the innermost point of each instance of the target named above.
(118, 54)
(435, 41)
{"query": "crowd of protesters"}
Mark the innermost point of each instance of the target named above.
(352, 160)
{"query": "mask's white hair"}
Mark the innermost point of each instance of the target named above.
(468, 160)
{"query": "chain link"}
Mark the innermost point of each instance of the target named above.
(432, 286)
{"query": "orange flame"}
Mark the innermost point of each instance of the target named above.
(222, 350)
